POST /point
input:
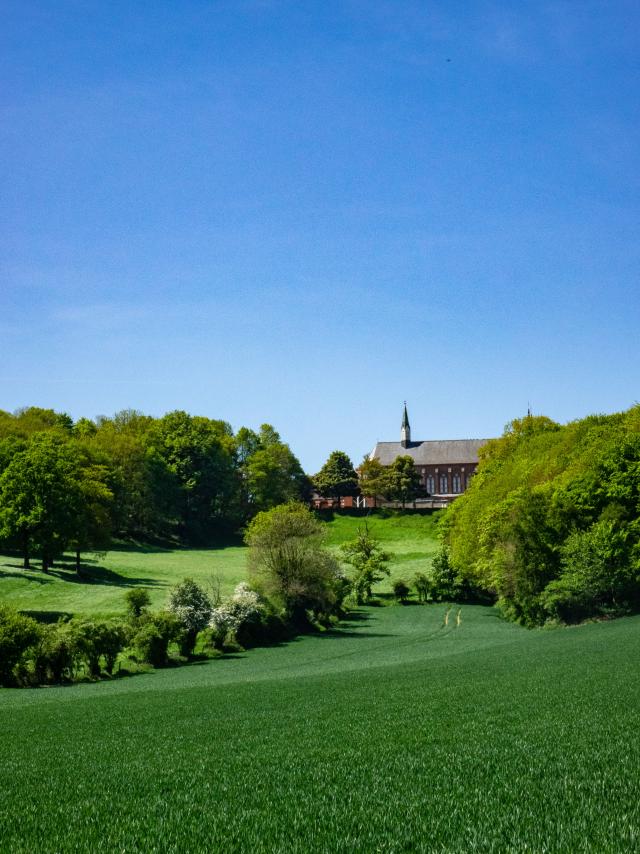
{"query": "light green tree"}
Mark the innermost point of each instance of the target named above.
(290, 565)
(369, 561)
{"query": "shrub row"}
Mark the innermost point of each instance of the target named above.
(32, 653)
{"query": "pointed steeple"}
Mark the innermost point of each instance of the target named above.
(405, 429)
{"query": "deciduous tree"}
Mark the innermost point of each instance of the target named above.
(337, 477)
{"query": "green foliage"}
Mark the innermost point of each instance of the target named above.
(18, 636)
(138, 600)
(550, 522)
(179, 477)
(372, 477)
(152, 639)
(100, 640)
(270, 472)
(41, 496)
(369, 562)
(423, 585)
(444, 584)
(199, 452)
(289, 564)
(401, 481)
(58, 653)
(337, 477)
(401, 590)
(596, 571)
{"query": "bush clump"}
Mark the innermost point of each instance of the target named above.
(192, 608)
(401, 591)
(151, 640)
(19, 635)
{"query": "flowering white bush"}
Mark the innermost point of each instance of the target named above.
(244, 605)
(191, 605)
(246, 600)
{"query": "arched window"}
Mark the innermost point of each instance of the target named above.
(457, 487)
(444, 486)
(431, 484)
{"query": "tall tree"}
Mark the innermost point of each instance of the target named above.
(200, 452)
(337, 477)
(273, 474)
(91, 529)
(373, 477)
(403, 482)
(146, 493)
(40, 495)
(289, 563)
(369, 561)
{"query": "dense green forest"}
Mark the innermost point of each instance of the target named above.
(551, 523)
(182, 478)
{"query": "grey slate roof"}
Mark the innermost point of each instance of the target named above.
(435, 452)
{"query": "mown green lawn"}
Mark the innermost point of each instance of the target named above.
(100, 592)
(394, 733)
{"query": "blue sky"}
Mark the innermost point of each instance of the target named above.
(306, 212)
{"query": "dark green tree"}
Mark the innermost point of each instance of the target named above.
(337, 477)
(272, 473)
(403, 480)
(200, 453)
(41, 496)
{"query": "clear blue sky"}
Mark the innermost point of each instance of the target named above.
(306, 212)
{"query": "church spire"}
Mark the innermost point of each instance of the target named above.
(405, 429)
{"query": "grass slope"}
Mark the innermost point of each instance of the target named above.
(393, 734)
(410, 538)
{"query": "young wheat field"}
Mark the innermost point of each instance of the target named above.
(408, 728)
(393, 733)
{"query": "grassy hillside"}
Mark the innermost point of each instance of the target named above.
(101, 591)
(411, 538)
(394, 733)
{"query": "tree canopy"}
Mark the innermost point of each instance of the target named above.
(181, 478)
(289, 564)
(550, 525)
(337, 477)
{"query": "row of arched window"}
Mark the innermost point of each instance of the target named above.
(443, 484)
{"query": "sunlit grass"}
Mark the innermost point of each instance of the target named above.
(411, 539)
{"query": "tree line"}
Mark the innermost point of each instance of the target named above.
(550, 526)
(399, 481)
(68, 485)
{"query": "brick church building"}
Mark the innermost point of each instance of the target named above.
(445, 465)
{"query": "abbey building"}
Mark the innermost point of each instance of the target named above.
(445, 465)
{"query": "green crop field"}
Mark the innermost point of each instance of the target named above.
(394, 733)
(100, 592)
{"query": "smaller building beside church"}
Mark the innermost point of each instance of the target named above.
(446, 466)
